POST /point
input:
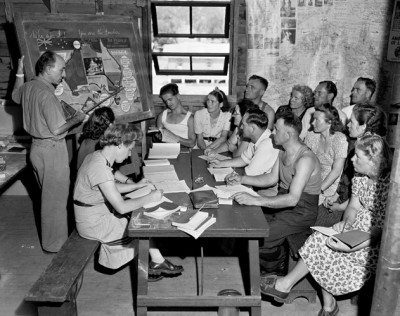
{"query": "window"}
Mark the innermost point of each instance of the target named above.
(191, 39)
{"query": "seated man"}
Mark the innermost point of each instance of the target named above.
(295, 207)
(260, 156)
(176, 123)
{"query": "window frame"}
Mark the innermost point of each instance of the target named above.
(228, 59)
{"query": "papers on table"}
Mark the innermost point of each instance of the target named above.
(217, 156)
(162, 211)
(156, 162)
(160, 173)
(172, 186)
(226, 191)
(161, 150)
(221, 200)
(197, 224)
(220, 173)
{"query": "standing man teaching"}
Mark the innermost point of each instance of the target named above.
(44, 120)
(255, 90)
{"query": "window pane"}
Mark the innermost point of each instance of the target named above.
(173, 63)
(173, 20)
(208, 63)
(208, 20)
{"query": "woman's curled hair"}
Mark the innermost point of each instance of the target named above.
(372, 116)
(332, 116)
(119, 134)
(97, 123)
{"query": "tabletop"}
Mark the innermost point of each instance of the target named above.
(15, 163)
(233, 221)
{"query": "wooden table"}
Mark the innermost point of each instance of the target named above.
(233, 221)
(15, 164)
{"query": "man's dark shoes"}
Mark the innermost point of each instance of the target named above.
(268, 288)
(334, 312)
(164, 267)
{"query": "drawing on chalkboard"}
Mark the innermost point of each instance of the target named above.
(104, 61)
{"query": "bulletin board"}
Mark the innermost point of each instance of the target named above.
(104, 60)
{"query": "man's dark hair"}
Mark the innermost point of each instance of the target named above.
(169, 88)
(330, 87)
(291, 120)
(263, 81)
(369, 83)
(246, 105)
(48, 58)
(257, 117)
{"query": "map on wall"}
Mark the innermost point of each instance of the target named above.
(104, 61)
(306, 41)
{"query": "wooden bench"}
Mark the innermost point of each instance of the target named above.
(56, 290)
(304, 288)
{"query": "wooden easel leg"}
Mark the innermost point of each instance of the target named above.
(254, 267)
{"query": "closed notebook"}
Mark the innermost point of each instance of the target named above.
(204, 199)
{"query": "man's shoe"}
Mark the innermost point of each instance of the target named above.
(165, 267)
(268, 288)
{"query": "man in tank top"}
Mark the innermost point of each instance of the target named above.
(176, 123)
(295, 208)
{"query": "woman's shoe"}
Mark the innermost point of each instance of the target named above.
(165, 267)
(268, 288)
(334, 312)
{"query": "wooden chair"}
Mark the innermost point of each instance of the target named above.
(56, 290)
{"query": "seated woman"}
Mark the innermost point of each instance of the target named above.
(329, 144)
(336, 267)
(98, 122)
(212, 124)
(236, 143)
(365, 119)
(96, 190)
(301, 98)
(175, 123)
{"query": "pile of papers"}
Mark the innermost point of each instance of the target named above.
(162, 210)
(161, 150)
(197, 224)
(160, 173)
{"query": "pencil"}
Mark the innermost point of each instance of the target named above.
(344, 226)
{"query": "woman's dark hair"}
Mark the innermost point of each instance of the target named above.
(221, 97)
(378, 151)
(246, 105)
(118, 134)
(372, 116)
(332, 116)
(97, 123)
(48, 58)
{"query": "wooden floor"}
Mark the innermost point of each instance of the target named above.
(106, 293)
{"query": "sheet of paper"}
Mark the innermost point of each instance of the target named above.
(164, 150)
(156, 162)
(328, 231)
(161, 177)
(217, 156)
(197, 233)
(226, 191)
(220, 173)
(153, 204)
(223, 201)
(158, 169)
(204, 188)
(173, 186)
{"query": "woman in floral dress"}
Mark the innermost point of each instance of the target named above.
(336, 267)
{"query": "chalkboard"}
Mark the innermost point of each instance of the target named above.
(104, 60)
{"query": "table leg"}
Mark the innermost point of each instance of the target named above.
(254, 267)
(142, 273)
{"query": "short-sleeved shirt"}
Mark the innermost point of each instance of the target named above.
(94, 171)
(42, 111)
(338, 146)
(202, 123)
(260, 157)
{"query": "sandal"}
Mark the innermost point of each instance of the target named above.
(334, 312)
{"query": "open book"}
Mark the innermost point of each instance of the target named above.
(352, 238)
(196, 224)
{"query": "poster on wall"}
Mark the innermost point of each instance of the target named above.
(394, 35)
(104, 64)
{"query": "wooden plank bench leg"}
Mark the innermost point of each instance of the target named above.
(254, 266)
